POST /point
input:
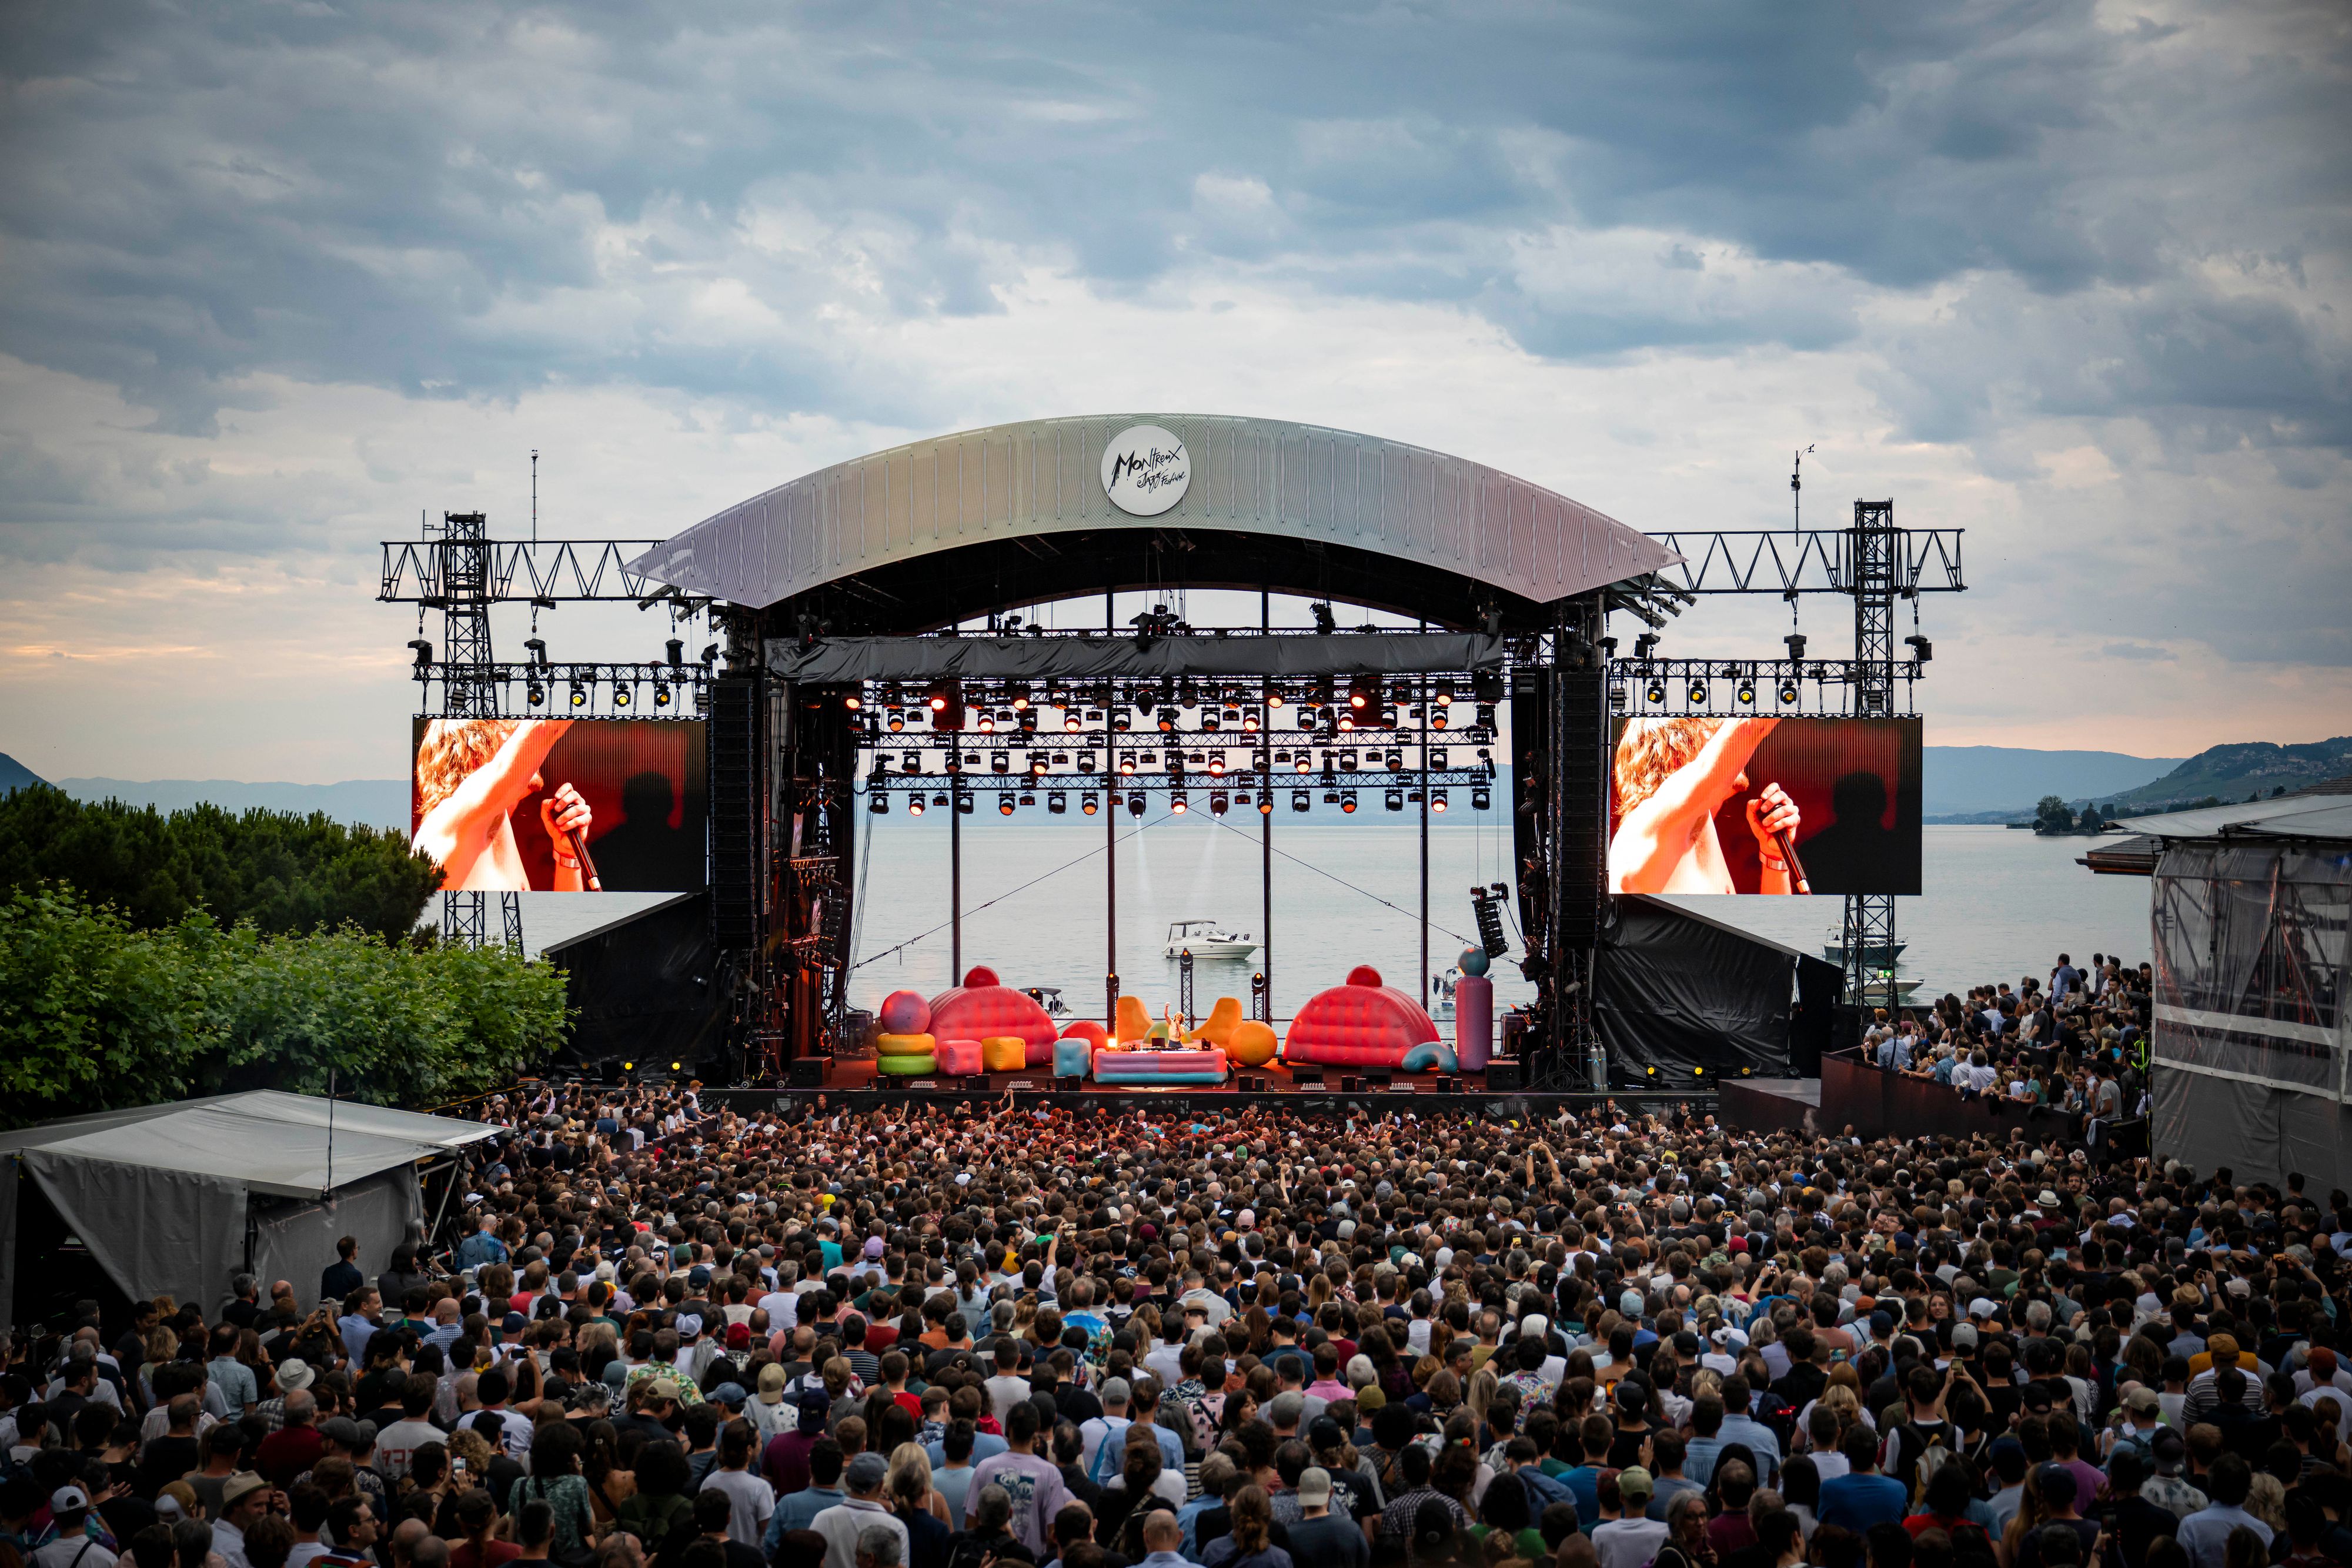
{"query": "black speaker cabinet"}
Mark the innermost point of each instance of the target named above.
(1072, 1084)
(1306, 1077)
(1378, 1078)
(1512, 1074)
(1350, 1084)
(808, 1072)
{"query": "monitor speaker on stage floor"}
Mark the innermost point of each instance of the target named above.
(807, 1072)
(1507, 1074)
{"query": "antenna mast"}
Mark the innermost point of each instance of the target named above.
(534, 494)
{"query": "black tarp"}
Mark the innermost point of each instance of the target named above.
(1676, 992)
(646, 989)
(834, 659)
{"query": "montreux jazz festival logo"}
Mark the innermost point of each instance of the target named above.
(1145, 470)
(1150, 469)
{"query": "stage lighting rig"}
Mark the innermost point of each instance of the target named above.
(424, 652)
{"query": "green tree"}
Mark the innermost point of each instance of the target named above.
(2053, 815)
(279, 870)
(96, 1012)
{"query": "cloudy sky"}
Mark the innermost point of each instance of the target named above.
(277, 277)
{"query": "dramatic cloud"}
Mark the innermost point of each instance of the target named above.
(273, 277)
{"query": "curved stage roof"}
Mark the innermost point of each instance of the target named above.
(1045, 477)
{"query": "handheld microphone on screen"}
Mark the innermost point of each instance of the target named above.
(588, 865)
(1787, 847)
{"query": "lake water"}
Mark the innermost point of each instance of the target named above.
(1998, 905)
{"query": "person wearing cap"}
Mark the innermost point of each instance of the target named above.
(2142, 1421)
(74, 1545)
(1626, 1537)
(1320, 1538)
(842, 1524)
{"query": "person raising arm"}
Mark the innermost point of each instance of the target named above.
(1671, 775)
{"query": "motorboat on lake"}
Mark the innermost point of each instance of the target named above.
(1207, 939)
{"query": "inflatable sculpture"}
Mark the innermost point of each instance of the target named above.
(1203, 1065)
(1365, 1023)
(1218, 1027)
(983, 1009)
(902, 1055)
(1134, 1021)
(960, 1056)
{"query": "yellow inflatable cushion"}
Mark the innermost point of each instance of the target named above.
(904, 1045)
(1251, 1044)
(1134, 1022)
(1003, 1053)
(1218, 1027)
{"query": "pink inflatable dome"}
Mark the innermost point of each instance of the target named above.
(981, 1008)
(1360, 1024)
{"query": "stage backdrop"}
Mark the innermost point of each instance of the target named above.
(1854, 783)
(643, 782)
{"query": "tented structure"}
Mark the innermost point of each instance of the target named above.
(2252, 910)
(175, 1199)
(1698, 999)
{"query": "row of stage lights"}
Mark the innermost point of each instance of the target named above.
(1368, 703)
(1220, 801)
(1039, 763)
(1749, 685)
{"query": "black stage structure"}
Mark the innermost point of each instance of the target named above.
(846, 667)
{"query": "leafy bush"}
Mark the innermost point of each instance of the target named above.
(281, 871)
(96, 1012)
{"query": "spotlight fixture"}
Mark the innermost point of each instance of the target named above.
(1000, 762)
(878, 803)
(1348, 801)
(1697, 693)
(1788, 693)
(537, 694)
(1218, 804)
(897, 721)
(1656, 692)
(1746, 692)
(1265, 802)
(1306, 764)
(1019, 692)
(1275, 699)
(537, 648)
(1298, 799)
(1135, 804)
(1176, 803)
(1087, 803)
(911, 763)
(1004, 804)
(1480, 799)
(1027, 799)
(1120, 722)
(963, 804)
(1071, 722)
(579, 696)
(1921, 649)
(1486, 715)
(661, 694)
(853, 700)
(1166, 719)
(424, 652)
(986, 723)
(914, 805)
(1394, 799)
(1437, 799)
(621, 696)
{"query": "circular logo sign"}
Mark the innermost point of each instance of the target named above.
(1145, 470)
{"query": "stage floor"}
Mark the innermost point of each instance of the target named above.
(850, 1074)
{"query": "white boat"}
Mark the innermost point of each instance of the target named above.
(1206, 939)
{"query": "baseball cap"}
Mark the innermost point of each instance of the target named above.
(66, 1498)
(2141, 1397)
(1314, 1486)
(730, 1393)
(1116, 1391)
(869, 1469)
(661, 1388)
(771, 1383)
(1635, 1481)
(1964, 1336)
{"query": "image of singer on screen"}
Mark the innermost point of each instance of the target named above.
(1669, 778)
(471, 774)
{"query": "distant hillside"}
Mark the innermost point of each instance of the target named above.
(1993, 783)
(2234, 772)
(378, 802)
(15, 774)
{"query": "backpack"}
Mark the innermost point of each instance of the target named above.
(1923, 1454)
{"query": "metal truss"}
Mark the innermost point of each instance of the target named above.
(556, 571)
(1736, 688)
(1791, 562)
(985, 782)
(656, 691)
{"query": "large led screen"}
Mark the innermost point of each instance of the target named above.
(560, 805)
(1764, 805)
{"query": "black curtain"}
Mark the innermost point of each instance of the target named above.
(647, 989)
(1812, 1022)
(1693, 1000)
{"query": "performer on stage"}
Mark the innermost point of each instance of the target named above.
(471, 773)
(1670, 776)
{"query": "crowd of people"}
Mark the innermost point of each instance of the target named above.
(665, 1331)
(2076, 1043)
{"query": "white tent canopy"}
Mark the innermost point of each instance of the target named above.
(174, 1199)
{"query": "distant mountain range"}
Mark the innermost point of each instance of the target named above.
(378, 802)
(1995, 783)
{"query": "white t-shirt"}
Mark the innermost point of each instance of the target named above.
(752, 1499)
